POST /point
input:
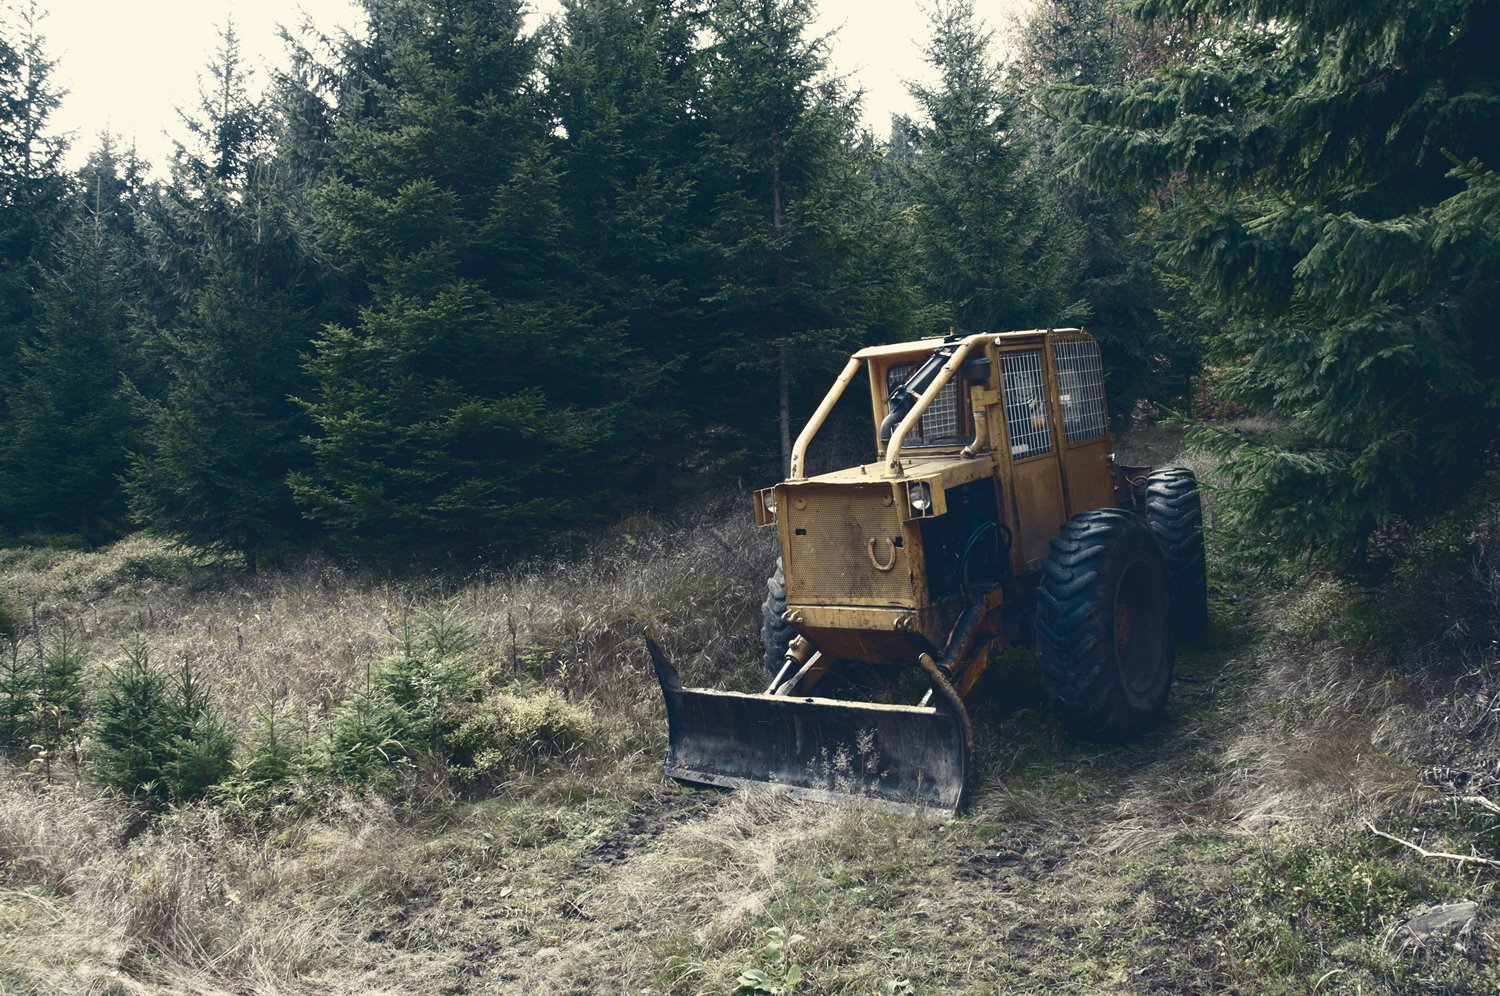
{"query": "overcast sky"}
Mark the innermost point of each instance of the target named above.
(128, 65)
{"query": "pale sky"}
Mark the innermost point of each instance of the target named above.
(128, 65)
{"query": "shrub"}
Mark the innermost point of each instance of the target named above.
(510, 733)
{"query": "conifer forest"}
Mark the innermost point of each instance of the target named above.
(345, 456)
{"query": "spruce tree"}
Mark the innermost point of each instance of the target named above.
(133, 726)
(624, 81)
(808, 266)
(70, 420)
(20, 692)
(155, 737)
(33, 188)
(990, 250)
(245, 292)
(1336, 168)
(464, 413)
(61, 698)
(200, 747)
(1109, 277)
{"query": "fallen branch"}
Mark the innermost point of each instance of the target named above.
(1424, 852)
(1474, 800)
(1480, 801)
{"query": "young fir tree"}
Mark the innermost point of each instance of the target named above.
(245, 297)
(70, 420)
(20, 691)
(808, 267)
(155, 737)
(132, 725)
(1337, 224)
(989, 248)
(465, 412)
(62, 697)
(200, 748)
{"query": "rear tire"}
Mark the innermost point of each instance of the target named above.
(1104, 641)
(1174, 511)
(775, 633)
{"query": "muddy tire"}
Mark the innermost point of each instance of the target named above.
(774, 633)
(1174, 512)
(1104, 640)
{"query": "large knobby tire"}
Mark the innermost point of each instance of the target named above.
(775, 633)
(1104, 642)
(1174, 512)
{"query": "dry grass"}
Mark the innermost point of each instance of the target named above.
(302, 637)
(189, 900)
(1221, 853)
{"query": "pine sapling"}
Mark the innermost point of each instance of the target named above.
(62, 696)
(20, 686)
(134, 725)
(201, 748)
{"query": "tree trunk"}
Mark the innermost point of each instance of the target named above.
(785, 410)
(783, 371)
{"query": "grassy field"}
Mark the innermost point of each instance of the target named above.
(1230, 850)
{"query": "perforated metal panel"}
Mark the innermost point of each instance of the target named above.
(841, 538)
(939, 424)
(1080, 388)
(1026, 403)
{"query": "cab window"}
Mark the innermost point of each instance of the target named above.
(945, 423)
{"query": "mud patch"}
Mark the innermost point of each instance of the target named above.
(1017, 856)
(399, 928)
(647, 821)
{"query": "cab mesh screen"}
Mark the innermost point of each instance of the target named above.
(1026, 403)
(1080, 388)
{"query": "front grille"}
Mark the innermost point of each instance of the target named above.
(831, 560)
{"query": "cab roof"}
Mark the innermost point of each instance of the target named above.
(1023, 337)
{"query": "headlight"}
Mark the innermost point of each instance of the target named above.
(921, 498)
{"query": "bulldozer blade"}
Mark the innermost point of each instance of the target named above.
(863, 754)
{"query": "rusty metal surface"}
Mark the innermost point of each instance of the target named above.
(851, 753)
(845, 546)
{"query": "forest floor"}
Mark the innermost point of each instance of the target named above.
(1231, 849)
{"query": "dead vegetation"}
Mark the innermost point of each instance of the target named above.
(1230, 850)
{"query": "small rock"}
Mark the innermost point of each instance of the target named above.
(1440, 921)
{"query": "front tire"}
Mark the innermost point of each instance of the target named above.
(1104, 641)
(775, 633)
(1174, 512)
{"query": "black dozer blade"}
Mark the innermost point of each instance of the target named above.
(862, 754)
